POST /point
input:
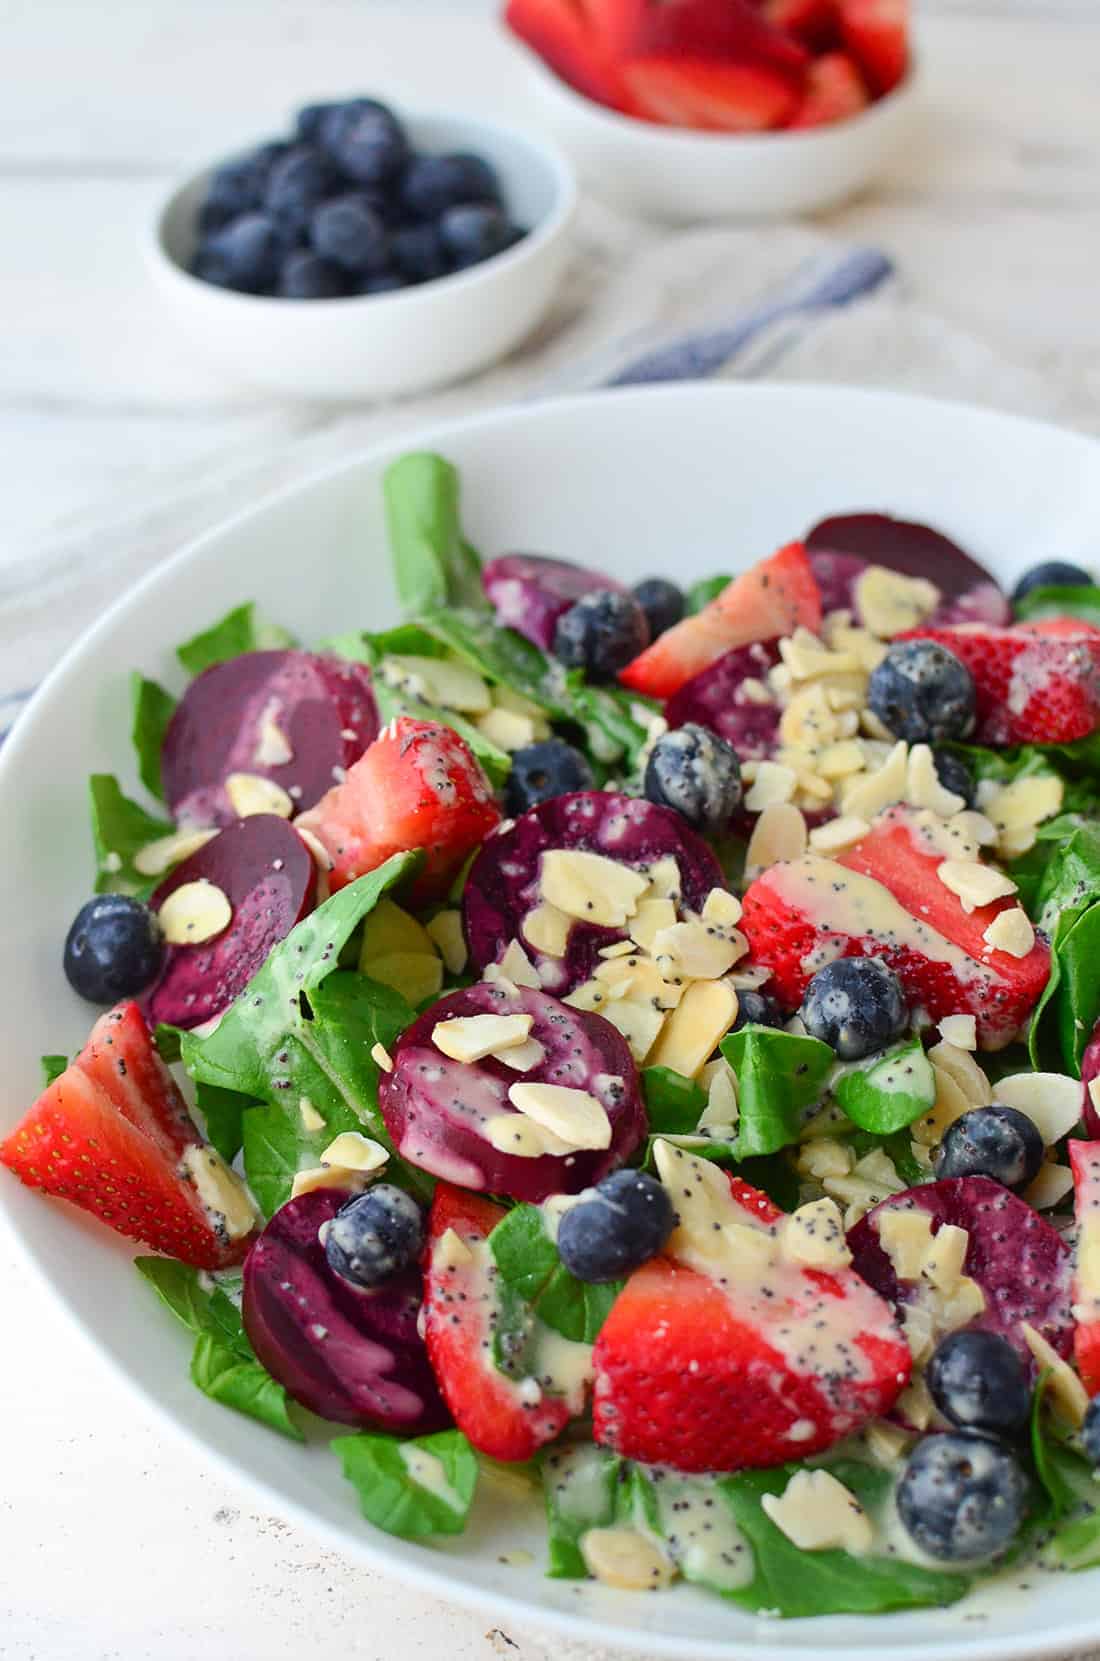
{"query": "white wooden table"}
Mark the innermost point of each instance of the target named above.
(113, 1542)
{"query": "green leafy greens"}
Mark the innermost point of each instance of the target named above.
(530, 1267)
(779, 1076)
(890, 1090)
(433, 564)
(411, 1487)
(120, 829)
(239, 631)
(152, 708)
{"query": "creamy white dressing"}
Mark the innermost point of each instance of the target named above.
(578, 1479)
(429, 1473)
(700, 1533)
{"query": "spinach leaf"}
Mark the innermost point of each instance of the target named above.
(153, 708)
(1075, 1545)
(120, 829)
(224, 1366)
(1078, 991)
(581, 1487)
(530, 1267)
(1083, 602)
(889, 1091)
(1068, 895)
(240, 630)
(674, 1104)
(223, 1115)
(700, 594)
(899, 1147)
(779, 1075)
(52, 1067)
(433, 564)
(411, 1488)
(1063, 1474)
(168, 1040)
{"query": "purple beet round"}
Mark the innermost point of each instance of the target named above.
(715, 698)
(503, 885)
(529, 592)
(436, 1109)
(351, 1356)
(854, 540)
(267, 873)
(1090, 1069)
(1021, 1263)
(229, 716)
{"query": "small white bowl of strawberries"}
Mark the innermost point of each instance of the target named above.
(701, 109)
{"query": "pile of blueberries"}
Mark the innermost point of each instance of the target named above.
(346, 206)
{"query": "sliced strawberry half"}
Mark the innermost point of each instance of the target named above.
(1084, 1159)
(726, 31)
(876, 32)
(883, 898)
(814, 22)
(772, 599)
(1033, 684)
(835, 90)
(750, 1370)
(418, 786)
(562, 33)
(502, 1419)
(113, 1135)
(709, 96)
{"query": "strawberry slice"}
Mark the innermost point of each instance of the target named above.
(835, 91)
(728, 31)
(876, 32)
(711, 97)
(706, 1370)
(113, 1135)
(1034, 684)
(814, 22)
(502, 1419)
(417, 786)
(1084, 1159)
(562, 33)
(883, 898)
(772, 599)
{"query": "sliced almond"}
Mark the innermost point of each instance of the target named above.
(311, 1119)
(589, 887)
(665, 882)
(840, 760)
(839, 833)
(194, 912)
(722, 1109)
(814, 1236)
(471, 1038)
(1064, 1388)
(1050, 1100)
(890, 603)
(650, 917)
(547, 930)
(695, 952)
(865, 796)
(620, 948)
(251, 793)
(382, 1058)
(1023, 804)
(905, 1237)
(273, 748)
(515, 966)
(352, 1151)
(222, 1193)
(694, 1030)
(721, 909)
(159, 856)
(945, 1256)
(816, 1512)
(779, 834)
(445, 931)
(924, 788)
(950, 1104)
(639, 1022)
(451, 1252)
(966, 1072)
(514, 1134)
(626, 1559)
(1011, 932)
(961, 1031)
(444, 681)
(521, 1057)
(771, 785)
(574, 1116)
(506, 729)
(823, 1156)
(976, 885)
(1050, 1188)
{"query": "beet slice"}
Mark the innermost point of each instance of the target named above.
(970, 593)
(715, 699)
(529, 592)
(1090, 1069)
(268, 875)
(232, 715)
(436, 1109)
(1022, 1264)
(351, 1356)
(503, 884)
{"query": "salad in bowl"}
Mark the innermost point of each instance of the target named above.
(642, 1040)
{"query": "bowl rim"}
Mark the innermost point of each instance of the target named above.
(545, 232)
(793, 138)
(423, 1571)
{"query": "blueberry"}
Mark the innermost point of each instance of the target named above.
(601, 634)
(696, 773)
(474, 232)
(955, 775)
(432, 184)
(304, 275)
(542, 771)
(961, 1496)
(418, 253)
(662, 602)
(308, 121)
(997, 1142)
(364, 139)
(381, 282)
(1090, 1430)
(758, 1009)
(348, 231)
(375, 1235)
(237, 187)
(113, 950)
(856, 1005)
(978, 1382)
(615, 1227)
(1055, 573)
(245, 254)
(922, 693)
(299, 182)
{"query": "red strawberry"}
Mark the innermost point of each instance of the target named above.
(710, 31)
(1084, 1158)
(562, 33)
(714, 97)
(1035, 684)
(460, 1309)
(771, 599)
(769, 1366)
(798, 915)
(876, 32)
(812, 21)
(417, 786)
(114, 1136)
(835, 91)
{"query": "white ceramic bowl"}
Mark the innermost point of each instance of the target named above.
(384, 345)
(680, 175)
(685, 479)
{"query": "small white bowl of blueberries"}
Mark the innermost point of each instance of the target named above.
(367, 254)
